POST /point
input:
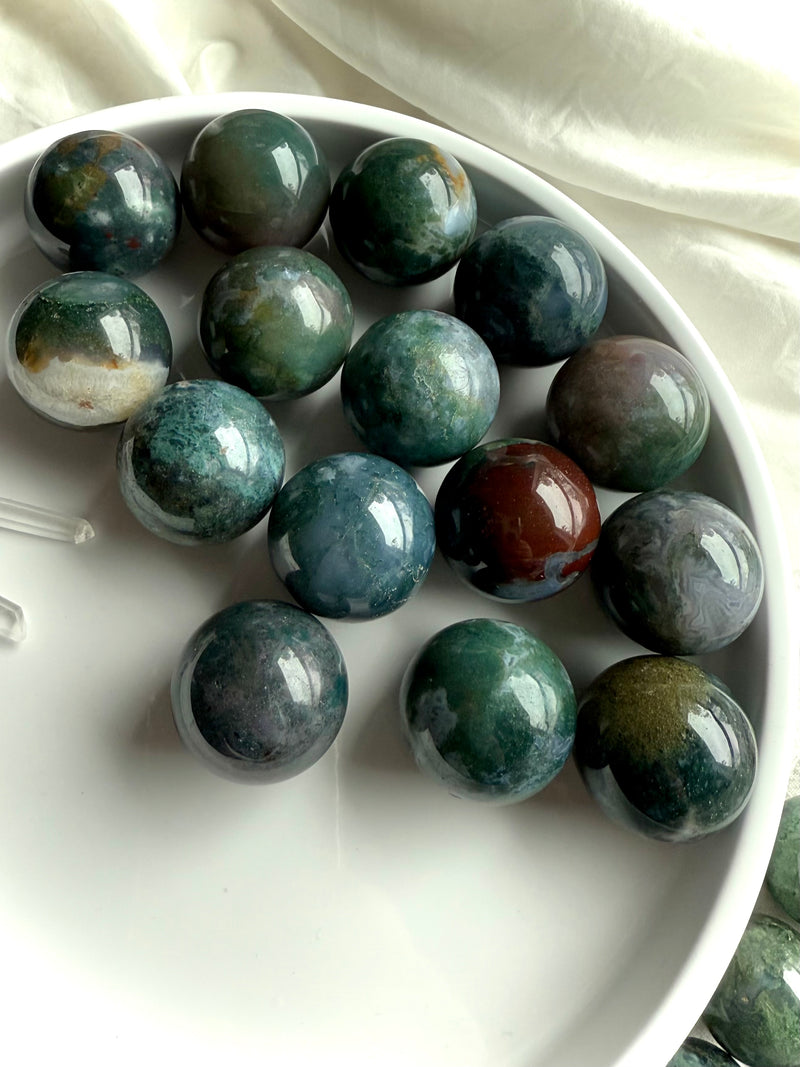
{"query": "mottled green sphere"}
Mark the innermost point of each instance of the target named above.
(783, 872)
(695, 1052)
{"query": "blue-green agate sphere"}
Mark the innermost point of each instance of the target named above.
(488, 711)
(664, 748)
(534, 289)
(694, 1052)
(255, 177)
(351, 536)
(403, 211)
(678, 571)
(100, 200)
(276, 321)
(200, 462)
(420, 387)
(260, 692)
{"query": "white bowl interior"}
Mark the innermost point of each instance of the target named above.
(356, 914)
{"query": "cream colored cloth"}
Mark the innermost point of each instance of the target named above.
(674, 122)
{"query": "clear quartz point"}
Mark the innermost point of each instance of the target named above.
(43, 522)
(12, 620)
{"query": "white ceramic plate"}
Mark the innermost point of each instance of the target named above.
(356, 914)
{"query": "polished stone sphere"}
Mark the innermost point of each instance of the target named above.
(88, 349)
(351, 536)
(533, 288)
(783, 872)
(255, 177)
(100, 200)
(420, 387)
(755, 1010)
(664, 748)
(517, 520)
(200, 463)
(277, 322)
(403, 211)
(632, 412)
(260, 692)
(695, 1052)
(678, 571)
(488, 711)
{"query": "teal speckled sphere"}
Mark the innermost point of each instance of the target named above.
(200, 463)
(533, 288)
(488, 710)
(255, 177)
(755, 1011)
(277, 322)
(87, 349)
(420, 387)
(632, 412)
(403, 211)
(783, 872)
(260, 692)
(664, 748)
(695, 1052)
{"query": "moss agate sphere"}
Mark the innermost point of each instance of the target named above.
(783, 872)
(351, 536)
(260, 692)
(534, 289)
(255, 177)
(488, 711)
(632, 412)
(200, 463)
(277, 322)
(100, 200)
(755, 1010)
(403, 211)
(420, 387)
(664, 748)
(88, 349)
(695, 1052)
(679, 572)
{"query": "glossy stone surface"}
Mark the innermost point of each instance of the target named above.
(260, 692)
(255, 177)
(200, 463)
(678, 572)
(783, 872)
(533, 288)
(664, 748)
(420, 387)
(488, 710)
(87, 349)
(100, 200)
(755, 1010)
(403, 211)
(695, 1052)
(277, 322)
(632, 412)
(517, 519)
(351, 536)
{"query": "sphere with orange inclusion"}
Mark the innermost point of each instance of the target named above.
(517, 520)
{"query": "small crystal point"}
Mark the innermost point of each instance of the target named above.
(43, 522)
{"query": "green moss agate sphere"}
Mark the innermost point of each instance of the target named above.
(277, 322)
(664, 748)
(534, 289)
(420, 387)
(100, 200)
(403, 211)
(88, 349)
(488, 710)
(755, 1010)
(260, 692)
(695, 1052)
(632, 412)
(783, 872)
(200, 463)
(255, 177)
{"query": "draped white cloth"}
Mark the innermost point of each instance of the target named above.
(674, 122)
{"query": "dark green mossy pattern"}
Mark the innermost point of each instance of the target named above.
(783, 876)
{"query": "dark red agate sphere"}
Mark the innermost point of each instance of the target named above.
(517, 519)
